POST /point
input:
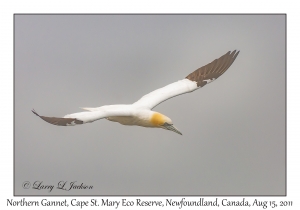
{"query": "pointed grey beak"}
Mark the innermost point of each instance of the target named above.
(171, 128)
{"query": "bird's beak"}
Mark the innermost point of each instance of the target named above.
(171, 128)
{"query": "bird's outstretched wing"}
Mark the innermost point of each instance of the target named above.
(59, 120)
(193, 81)
(88, 117)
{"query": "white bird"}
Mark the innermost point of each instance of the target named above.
(140, 113)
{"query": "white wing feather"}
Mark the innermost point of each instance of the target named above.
(102, 112)
(160, 95)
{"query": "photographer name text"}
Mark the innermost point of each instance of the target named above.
(61, 185)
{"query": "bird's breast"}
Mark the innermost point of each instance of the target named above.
(132, 120)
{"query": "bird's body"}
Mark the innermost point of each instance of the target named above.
(140, 113)
(140, 117)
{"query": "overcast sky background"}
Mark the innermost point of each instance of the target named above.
(233, 129)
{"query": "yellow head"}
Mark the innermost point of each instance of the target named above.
(162, 121)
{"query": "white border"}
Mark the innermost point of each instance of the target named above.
(8, 8)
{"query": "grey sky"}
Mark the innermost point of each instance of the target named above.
(233, 129)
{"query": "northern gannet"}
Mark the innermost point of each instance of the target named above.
(139, 113)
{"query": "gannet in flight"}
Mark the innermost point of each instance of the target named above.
(139, 113)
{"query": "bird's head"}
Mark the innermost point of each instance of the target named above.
(162, 121)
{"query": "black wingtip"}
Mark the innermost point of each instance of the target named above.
(34, 112)
(234, 53)
(237, 51)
